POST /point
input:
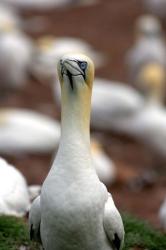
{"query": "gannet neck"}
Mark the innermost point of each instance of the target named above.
(76, 77)
(75, 114)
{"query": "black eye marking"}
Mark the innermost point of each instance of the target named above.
(70, 79)
(116, 242)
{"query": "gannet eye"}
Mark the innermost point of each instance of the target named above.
(82, 65)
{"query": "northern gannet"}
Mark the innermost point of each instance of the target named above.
(13, 68)
(14, 196)
(49, 49)
(149, 47)
(76, 211)
(9, 15)
(148, 124)
(23, 130)
(156, 7)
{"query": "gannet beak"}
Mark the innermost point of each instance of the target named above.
(73, 68)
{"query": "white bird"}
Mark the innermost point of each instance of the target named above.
(148, 124)
(162, 215)
(8, 16)
(76, 210)
(104, 166)
(16, 53)
(156, 7)
(149, 47)
(47, 4)
(24, 131)
(49, 49)
(14, 196)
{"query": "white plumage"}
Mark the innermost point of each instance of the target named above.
(8, 16)
(149, 46)
(105, 167)
(16, 52)
(23, 130)
(77, 212)
(14, 196)
(149, 126)
(112, 102)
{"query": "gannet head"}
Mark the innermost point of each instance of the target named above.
(45, 43)
(76, 71)
(148, 25)
(152, 78)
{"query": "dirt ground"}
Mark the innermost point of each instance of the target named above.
(108, 26)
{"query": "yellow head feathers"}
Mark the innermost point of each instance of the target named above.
(76, 68)
(152, 80)
(152, 75)
(45, 43)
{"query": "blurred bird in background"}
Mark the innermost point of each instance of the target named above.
(156, 7)
(49, 49)
(149, 46)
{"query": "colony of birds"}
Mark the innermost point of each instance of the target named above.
(73, 197)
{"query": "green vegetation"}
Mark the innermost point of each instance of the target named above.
(142, 235)
(14, 233)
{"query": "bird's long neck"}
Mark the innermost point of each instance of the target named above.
(75, 122)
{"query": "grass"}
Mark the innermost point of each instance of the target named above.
(14, 233)
(140, 234)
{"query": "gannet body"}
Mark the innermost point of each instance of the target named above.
(149, 47)
(148, 126)
(14, 68)
(162, 215)
(77, 212)
(14, 197)
(24, 131)
(112, 102)
(50, 49)
(104, 166)
(149, 123)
